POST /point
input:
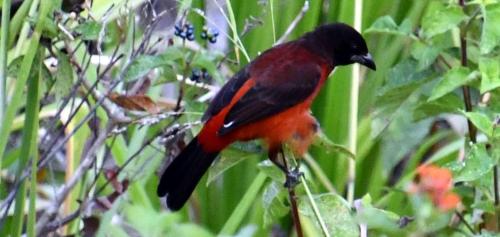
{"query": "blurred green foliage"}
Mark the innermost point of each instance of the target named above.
(404, 110)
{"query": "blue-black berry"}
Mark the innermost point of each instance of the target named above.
(209, 34)
(205, 75)
(196, 75)
(185, 31)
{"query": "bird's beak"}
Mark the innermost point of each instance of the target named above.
(366, 60)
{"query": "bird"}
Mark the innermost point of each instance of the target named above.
(268, 99)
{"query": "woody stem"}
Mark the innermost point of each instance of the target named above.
(293, 199)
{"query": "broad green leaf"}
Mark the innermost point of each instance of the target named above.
(442, 19)
(490, 37)
(271, 171)
(89, 30)
(336, 213)
(453, 79)
(449, 103)
(148, 221)
(490, 73)
(141, 66)
(424, 54)
(487, 206)
(64, 75)
(376, 218)
(145, 63)
(476, 164)
(386, 24)
(481, 121)
(322, 140)
(273, 201)
(229, 158)
(402, 80)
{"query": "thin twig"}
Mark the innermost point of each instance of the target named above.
(294, 23)
(462, 219)
(86, 163)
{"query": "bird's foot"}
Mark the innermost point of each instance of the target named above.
(293, 177)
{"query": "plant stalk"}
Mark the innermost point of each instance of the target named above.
(465, 88)
(293, 202)
(353, 114)
(3, 58)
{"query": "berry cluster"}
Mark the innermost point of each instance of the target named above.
(210, 34)
(185, 31)
(197, 75)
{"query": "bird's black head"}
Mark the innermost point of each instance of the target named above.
(343, 44)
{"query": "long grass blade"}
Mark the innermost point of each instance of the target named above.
(246, 202)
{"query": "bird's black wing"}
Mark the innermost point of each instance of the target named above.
(279, 90)
(226, 93)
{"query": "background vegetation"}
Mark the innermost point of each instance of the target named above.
(96, 95)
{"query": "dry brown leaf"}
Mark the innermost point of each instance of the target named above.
(166, 104)
(135, 102)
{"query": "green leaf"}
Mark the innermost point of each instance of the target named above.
(490, 37)
(149, 222)
(376, 218)
(187, 230)
(402, 80)
(442, 19)
(208, 62)
(15, 66)
(145, 63)
(490, 73)
(141, 66)
(89, 30)
(487, 206)
(424, 54)
(451, 149)
(449, 103)
(229, 158)
(476, 164)
(273, 201)
(386, 24)
(336, 213)
(481, 121)
(64, 75)
(271, 170)
(453, 79)
(322, 140)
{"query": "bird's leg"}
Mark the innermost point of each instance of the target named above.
(292, 175)
(292, 179)
(273, 156)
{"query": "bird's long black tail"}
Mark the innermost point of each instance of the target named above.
(181, 176)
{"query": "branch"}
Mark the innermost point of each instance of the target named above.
(466, 89)
(294, 23)
(293, 201)
(86, 164)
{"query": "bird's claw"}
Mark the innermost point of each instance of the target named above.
(293, 178)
